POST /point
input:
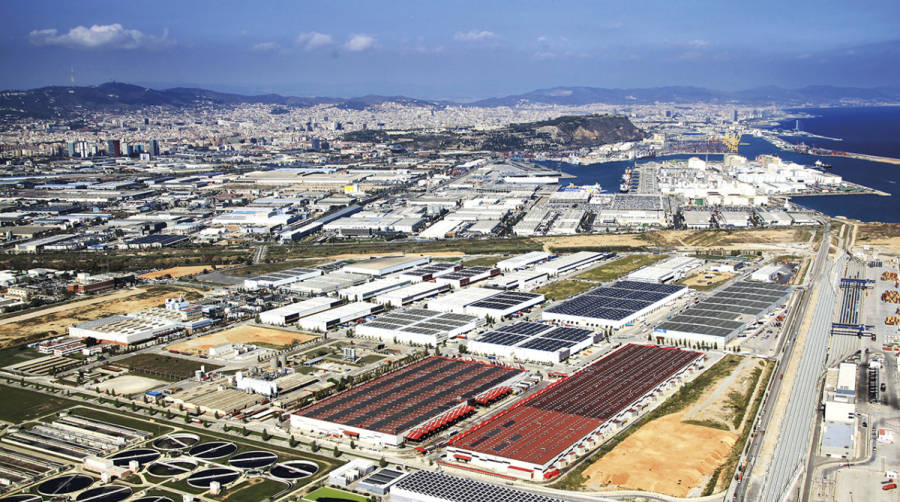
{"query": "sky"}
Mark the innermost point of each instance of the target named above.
(448, 50)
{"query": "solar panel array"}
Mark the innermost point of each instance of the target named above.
(617, 301)
(421, 321)
(536, 336)
(438, 486)
(505, 300)
(727, 311)
(466, 272)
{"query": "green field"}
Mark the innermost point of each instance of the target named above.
(561, 290)
(326, 492)
(21, 405)
(16, 355)
(371, 358)
(613, 270)
(162, 366)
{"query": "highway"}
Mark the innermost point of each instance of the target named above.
(793, 445)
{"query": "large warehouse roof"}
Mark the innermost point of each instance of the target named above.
(398, 401)
(617, 303)
(418, 326)
(533, 341)
(727, 311)
(548, 423)
(438, 487)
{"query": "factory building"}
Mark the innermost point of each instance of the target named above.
(412, 293)
(280, 278)
(523, 260)
(571, 262)
(282, 316)
(669, 270)
(372, 289)
(323, 321)
(379, 267)
(418, 327)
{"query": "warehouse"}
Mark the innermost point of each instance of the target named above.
(288, 314)
(457, 301)
(571, 262)
(412, 293)
(124, 330)
(430, 271)
(525, 280)
(466, 275)
(418, 326)
(615, 306)
(552, 428)
(669, 270)
(323, 321)
(503, 304)
(533, 341)
(522, 261)
(379, 267)
(280, 278)
(410, 403)
(439, 487)
(719, 318)
(328, 283)
(371, 289)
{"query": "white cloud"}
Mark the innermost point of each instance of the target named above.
(475, 36)
(697, 44)
(542, 55)
(359, 42)
(314, 40)
(265, 46)
(99, 36)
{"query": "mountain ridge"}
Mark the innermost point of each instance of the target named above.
(67, 101)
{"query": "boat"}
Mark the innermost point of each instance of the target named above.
(822, 165)
(624, 187)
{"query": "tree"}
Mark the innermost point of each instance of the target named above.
(265, 435)
(352, 445)
(382, 462)
(336, 452)
(314, 446)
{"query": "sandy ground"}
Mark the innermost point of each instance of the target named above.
(665, 456)
(241, 334)
(700, 280)
(129, 384)
(176, 272)
(59, 318)
(715, 405)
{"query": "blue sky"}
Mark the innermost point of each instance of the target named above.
(459, 50)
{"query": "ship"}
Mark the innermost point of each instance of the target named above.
(822, 165)
(626, 181)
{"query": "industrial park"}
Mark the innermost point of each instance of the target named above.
(249, 282)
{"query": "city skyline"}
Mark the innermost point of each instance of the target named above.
(443, 51)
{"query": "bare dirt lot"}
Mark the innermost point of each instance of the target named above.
(665, 456)
(54, 320)
(700, 282)
(258, 335)
(883, 236)
(175, 272)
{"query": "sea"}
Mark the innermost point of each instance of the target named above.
(867, 130)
